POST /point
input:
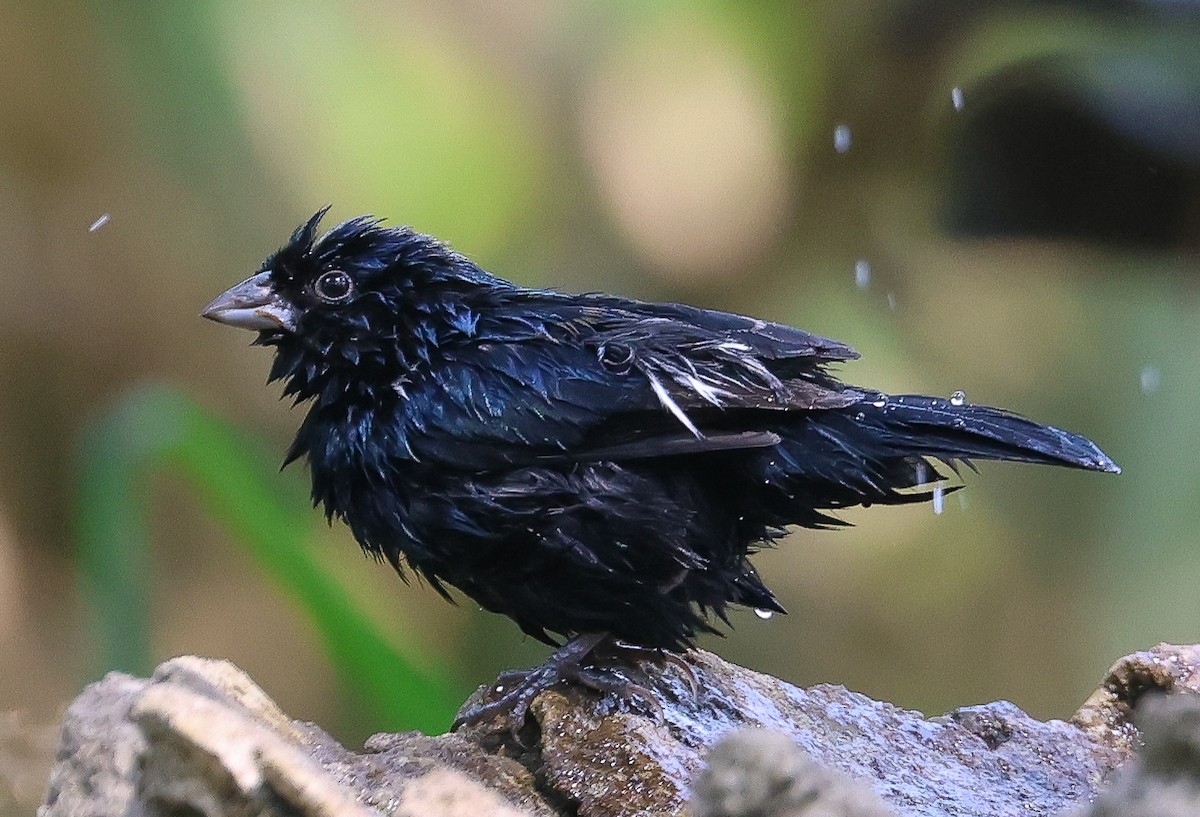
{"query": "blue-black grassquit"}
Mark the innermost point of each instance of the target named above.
(596, 468)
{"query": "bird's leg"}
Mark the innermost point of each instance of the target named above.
(591, 660)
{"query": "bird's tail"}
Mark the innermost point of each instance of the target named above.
(872, 451)
(956, 430)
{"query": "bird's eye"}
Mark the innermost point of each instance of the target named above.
(334, 287)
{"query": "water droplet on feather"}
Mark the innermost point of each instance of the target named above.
(939, 498)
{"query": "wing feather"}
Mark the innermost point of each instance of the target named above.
(551, 376)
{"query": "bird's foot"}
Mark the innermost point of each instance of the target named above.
(659, 656)
(593, 661)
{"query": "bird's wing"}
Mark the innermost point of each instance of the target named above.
(694, 358)
(771, 341)
(691, 366)
(551, 377)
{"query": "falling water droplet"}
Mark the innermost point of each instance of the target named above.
(862, 273)
(891, 299)
(859, 417)
(939, 497)
(922, 472)
(842, 138)
(880, 400)
(763, 614)
(1150, 379)
(958, 397)
(956, 98)
(98, 223)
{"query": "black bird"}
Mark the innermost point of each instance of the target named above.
(598, 469)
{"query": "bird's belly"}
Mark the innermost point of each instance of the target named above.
(586, 547)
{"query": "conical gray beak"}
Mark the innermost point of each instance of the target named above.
(252, 304)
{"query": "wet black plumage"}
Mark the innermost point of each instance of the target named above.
(582, 463)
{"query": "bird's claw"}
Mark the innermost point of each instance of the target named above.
(613, 670)
(657, 655)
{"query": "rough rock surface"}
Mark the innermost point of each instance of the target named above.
(199, 737)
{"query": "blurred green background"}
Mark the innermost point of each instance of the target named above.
(1011, 208)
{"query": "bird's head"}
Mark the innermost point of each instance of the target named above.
(350, 307)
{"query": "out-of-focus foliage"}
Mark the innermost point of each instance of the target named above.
(1016, 216)
(153, 431)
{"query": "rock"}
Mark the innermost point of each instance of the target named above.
(990, 760)
(199, 737)
(1108, 712)
(1163, 779)
(764, 773)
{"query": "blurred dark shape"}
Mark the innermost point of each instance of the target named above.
(1100, 148)
(1164, 779)
(912, 28)
(1090, 131)
(763, 773)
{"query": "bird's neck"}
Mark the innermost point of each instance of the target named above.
(349, 449)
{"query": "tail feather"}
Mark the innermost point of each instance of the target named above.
(878, 450)
(936, 427)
